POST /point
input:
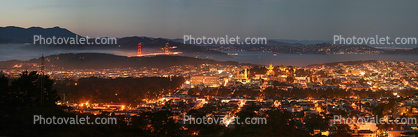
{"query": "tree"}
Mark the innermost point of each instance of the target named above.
(258, 70)
(4, 92)
(342, 131)
(163, 125)
(317, 121)
(193, 91)
(280, 124)
(140, 122)
(321, 74)
(204, 91)
(290, 69)
(26, 90)
(290, 79)
(270, 91)
(362, 82)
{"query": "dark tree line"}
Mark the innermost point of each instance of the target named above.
(279, 123)
(20, 101)
(119, 90)
(26, 91)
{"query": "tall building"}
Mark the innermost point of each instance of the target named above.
(270, 70)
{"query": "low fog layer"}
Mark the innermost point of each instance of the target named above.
(26, 51)
(21, 52)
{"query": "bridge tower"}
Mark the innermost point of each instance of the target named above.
(166, 48)
(139, 49)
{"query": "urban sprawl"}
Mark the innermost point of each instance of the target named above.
(383, 89)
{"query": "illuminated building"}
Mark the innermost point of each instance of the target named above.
(205, 80)
(242, 77)
(270, 70)
(281, 78)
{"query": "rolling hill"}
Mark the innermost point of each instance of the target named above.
(103, 61)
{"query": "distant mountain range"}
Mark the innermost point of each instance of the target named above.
(298, 48)
(305, 47)
(131, 44)
(305, 42)
(403, 52)
(12, 34)
(270, 42)
(358, 62)
(322, 48)
(284, 41)
(103, 61)
(21, 35)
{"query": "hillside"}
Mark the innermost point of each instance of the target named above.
(358, 62)
(413, 51)
(322, 48)
(12, 34)
(103, 61)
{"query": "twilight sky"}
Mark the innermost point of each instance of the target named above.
(274, 19)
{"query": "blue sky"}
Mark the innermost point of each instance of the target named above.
(274, 19)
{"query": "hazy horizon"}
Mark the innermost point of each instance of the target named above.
(295, 20)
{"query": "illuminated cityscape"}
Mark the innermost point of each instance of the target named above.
(201, 68)
(266, 87)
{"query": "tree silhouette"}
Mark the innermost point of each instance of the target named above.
(317, 121)
(280, 123)
(26, 91)
(163, 125)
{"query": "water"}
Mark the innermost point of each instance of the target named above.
(265, 58)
